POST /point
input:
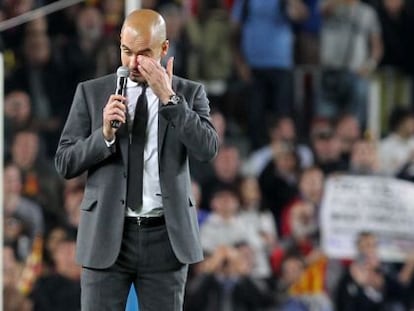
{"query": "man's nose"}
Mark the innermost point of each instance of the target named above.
(133, 61)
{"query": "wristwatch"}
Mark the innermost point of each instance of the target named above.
(174, 100)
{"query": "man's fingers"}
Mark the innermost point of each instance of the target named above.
(144, 71)
(115, 109)
(115, 97)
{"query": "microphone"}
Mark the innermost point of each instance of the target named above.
(122, 74)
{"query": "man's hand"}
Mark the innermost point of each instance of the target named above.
(115, 109)
(159, 79)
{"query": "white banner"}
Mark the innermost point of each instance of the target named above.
(381, 205)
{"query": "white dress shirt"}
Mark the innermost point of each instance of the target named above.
(151, 192)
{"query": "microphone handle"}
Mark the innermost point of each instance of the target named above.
(115, 124)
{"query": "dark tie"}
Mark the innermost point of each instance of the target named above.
(136, 152)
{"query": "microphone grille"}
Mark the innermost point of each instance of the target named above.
(122, 72)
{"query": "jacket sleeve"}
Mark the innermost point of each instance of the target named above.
(79, 146)
(194, 127)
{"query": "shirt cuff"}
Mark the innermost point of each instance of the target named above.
(109, 143)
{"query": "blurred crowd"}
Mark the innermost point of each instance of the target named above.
(258, 202)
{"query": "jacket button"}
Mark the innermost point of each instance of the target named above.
(125, 174)
(122, 202)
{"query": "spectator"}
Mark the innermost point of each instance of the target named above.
(15, 301)
(179, 48)
(19, 211)
(397, 148)
(281, 129)
(263, 37)
(368, 284)
(254, 214)
(311, 186)
(89, 53)
(396, 17)
(12, 8)
(364, 158)
(210, 61)
(56, 235)
(348, 131)
(327, 147)
(278, 181)
(42, 79)
(351, 48)
(12, 268)
(17, 116)
(292, 270)
(113, 14)
(226, 168)
(40, 180)
(16, 235)
(223, 282)
(224, 227)
(60, 290)
(308, 35)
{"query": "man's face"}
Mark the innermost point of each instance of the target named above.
(135, 43)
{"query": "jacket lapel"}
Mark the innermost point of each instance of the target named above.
(162, 129)
(123, 136)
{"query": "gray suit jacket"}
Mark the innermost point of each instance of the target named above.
(183, 129)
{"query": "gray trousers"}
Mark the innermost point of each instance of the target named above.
(147, 260)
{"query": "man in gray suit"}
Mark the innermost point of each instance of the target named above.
(138, 219)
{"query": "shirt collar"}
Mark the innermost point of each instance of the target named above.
(131, 83)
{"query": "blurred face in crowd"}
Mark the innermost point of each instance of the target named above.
(12, 181)
(348, 131)
(25, 149)
(10, 267)
(367, 246)
(56, 236)
(17, 7)
(250, 192)
(327, 146)
(17, 107)
(406, 128)
(292, 269)
(284, 131)
(64, 259)
(149, 4)
(364, 157)
(227, 163)
(394, 7)
(302, 219)
(143, 33)
(90, 24)
(311, 185)
(284, 158)
(36, 26)
(13, 228)
(113, 7)
(37, 49)
(174, 19)
(225, 203)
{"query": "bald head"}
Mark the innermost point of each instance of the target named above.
(147, 23)
(143, 34)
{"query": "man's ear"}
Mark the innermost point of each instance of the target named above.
(164, 48)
